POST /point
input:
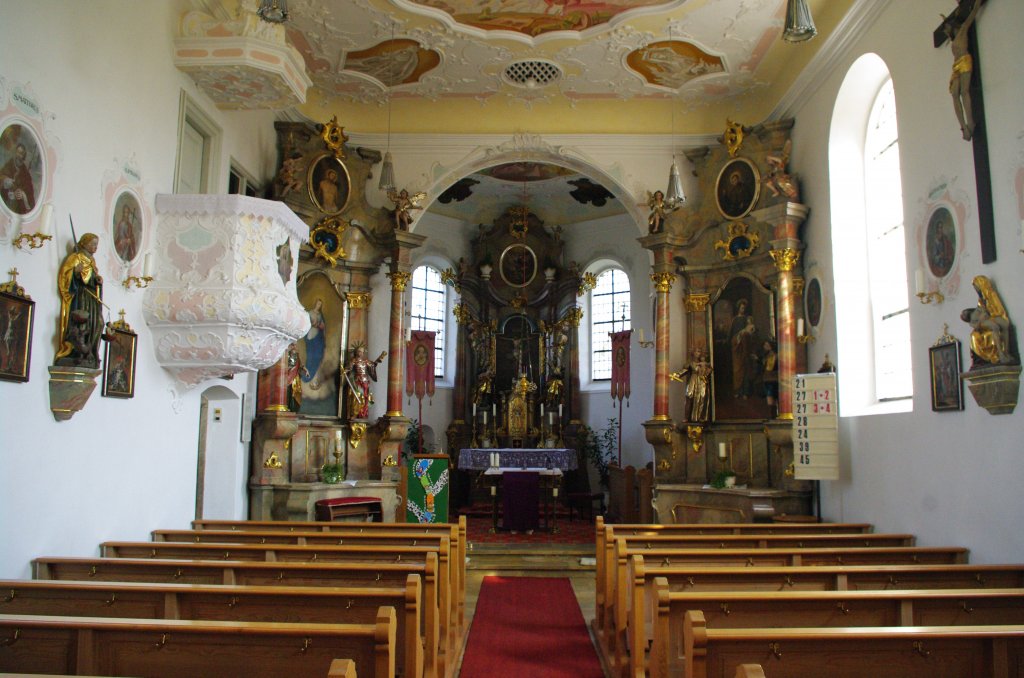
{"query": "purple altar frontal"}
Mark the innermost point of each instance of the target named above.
(477, 459)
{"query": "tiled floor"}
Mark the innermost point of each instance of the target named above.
(538, 560)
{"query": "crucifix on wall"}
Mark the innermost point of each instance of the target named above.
(969, 107)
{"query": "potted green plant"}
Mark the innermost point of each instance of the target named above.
(332, 473)
(599, 448)
(724, 478)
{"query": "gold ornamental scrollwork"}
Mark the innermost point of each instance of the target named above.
(696, 303)
(334, 138)
(798, 286)
(273, 462)
(358, 431)
(399, 280)
(462, 314)
(740, 242)
(733, 137)
(574, 315)
(518, 301)
(358, 300)
(588, 281)
(696, 436)
(326, 237)
(450, 277)
(785, 259)
(663, 281)
(664, 466)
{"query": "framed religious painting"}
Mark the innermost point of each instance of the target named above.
(940, 242)
(737, 188)
(17, 316)
(812, 302)
(320, 355)
(126, 226)
(119, 362)
(944, 367)
(518, 265)
(21, 168)
(328, 184)
(743, 351)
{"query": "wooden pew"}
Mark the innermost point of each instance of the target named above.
(346, 668)
(242, 573)
(604, 535)
(160, 647)
(813, 609)
(309, 554)
(807, 578)
(359, 536)
(324, 605)
(882, 652)
(458, 541)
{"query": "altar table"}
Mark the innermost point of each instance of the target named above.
(479, 459)
(547, 485)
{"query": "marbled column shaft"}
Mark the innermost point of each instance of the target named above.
(396, 346)
(273, 386)
(787, 343)
(663, 285)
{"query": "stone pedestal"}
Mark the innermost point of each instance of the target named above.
(296, 501)
(271, 438)
(70, 388)
(995, 388)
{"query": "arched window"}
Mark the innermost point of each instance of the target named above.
(869, 244)
(609, 312)
(429, 309)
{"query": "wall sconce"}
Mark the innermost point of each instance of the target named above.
(640, 340)
(922, 295)
(800, 336)
(39, 238)
(147, 275)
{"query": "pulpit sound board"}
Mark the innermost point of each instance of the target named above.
(815, 427)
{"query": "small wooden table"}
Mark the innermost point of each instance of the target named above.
(550, 484)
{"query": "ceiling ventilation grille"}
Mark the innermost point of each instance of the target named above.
(531, 73)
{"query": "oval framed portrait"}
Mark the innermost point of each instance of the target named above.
(21, 168)
(328, 184)
(518, 265)
(812, 302)
(737, 188)
(126, 226)
(940, 242)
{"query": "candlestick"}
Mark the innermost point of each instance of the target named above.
(722, 454)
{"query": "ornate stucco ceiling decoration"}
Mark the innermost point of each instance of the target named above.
(673, 64)
(394, 62)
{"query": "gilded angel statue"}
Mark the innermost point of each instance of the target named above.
(660, 209)
(778, 180)
(404, 204)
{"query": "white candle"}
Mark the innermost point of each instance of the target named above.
(147, 265)
(15, 222)
(497, 457)
(542, 410)
(559, 410)
(494, 410)
(722, 454)
(337, 440)
(494, 490)
(46, 219)
(474, 410)
(641, 335)
(919, 280)
(799, 327)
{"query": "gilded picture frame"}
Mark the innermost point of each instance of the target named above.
(944, 368)
(737, 188)
(119, 363)
(17, 318)
(518, 265)
(328, 184)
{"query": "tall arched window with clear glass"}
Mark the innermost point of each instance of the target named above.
(428, 310)
(609, 312)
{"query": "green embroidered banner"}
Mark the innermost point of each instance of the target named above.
(427, 500)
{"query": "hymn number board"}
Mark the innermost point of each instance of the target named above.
(815, 427)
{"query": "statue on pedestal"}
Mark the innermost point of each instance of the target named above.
(696, 376)
(990, 336)
(81, 306)
(359, 372)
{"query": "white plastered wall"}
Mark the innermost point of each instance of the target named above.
(949, 478)
(119, 468)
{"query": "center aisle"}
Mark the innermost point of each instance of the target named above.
(529, 626)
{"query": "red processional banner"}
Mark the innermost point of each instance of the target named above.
(620, 363)
(419, 364)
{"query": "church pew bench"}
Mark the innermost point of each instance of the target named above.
(346, 668)
(641, 575)
(812, 609)
(604, 534)
(360, 536)
(240, 573)
(159, 648)
(306, 554)
(325, 605)
(458, 538)
(617, 577)
(854, 652)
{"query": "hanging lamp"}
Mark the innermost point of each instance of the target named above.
(273, 11)
(799, 23)
(387, 168)
(674, 196)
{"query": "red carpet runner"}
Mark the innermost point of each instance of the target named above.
(529, 627)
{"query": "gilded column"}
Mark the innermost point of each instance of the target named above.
(662, 285)
(786, 260)
(396, 342)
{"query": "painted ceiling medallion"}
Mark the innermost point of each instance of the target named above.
(672, 64)
(534, 17)
(393, 62)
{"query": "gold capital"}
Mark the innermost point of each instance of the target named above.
(358, 299)
(462, 314)
(663, 281)
(588, 281)
(574, 315)
(785, 259)
(696, 303)
(399, 279)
